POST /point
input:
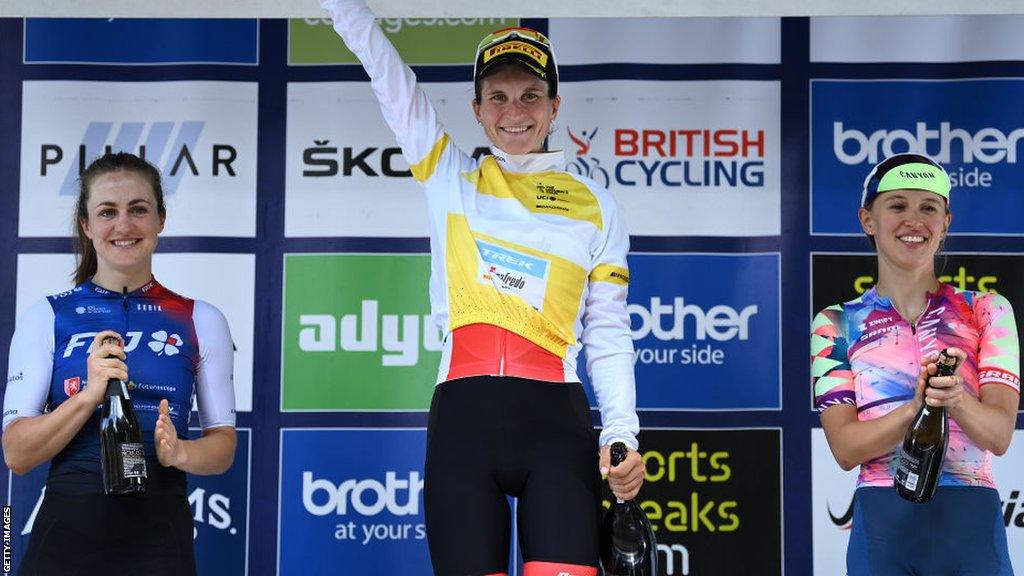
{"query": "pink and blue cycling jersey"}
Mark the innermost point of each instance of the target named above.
(863, 353)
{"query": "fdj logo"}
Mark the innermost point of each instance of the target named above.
(359, 333)
(720, 322)
(168, 145)
(366, 497)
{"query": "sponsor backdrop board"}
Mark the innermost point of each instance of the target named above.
(352, 498)
(963, 124)
(357, 333)
(682, 158)
(842, 277)
(832, 503)
(129, 41)
(711, 493)
(701, 340)
(220, 511)
(736, 148)
(346, 176)
(201, 135)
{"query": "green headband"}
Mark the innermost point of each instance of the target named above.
(916, 176)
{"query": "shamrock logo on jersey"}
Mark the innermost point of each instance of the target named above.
(162, 343)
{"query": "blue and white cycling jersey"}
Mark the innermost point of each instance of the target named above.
(177, 348)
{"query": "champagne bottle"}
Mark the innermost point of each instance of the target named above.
(121, 452)
(627, 540)
(924, 446)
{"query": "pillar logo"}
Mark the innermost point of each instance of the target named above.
(352, 497)
(856, 124)
(358, 334)
(700, 318)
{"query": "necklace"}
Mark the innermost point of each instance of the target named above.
(912, 320)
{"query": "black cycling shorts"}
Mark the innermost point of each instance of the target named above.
(490, 437)
(87, 534)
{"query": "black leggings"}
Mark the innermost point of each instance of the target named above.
(82, 535)
(493, 436)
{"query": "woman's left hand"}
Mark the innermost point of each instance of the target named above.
(945, 391)
(625, 479)
(170, 450)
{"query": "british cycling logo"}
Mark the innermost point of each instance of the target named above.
(584, 164)
(675, 158)
(165, 344)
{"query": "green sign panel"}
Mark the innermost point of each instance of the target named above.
(357, 333)
(418, 40)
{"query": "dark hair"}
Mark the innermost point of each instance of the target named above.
(85, 253)
(499, 67)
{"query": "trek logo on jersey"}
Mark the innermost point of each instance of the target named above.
(72, 385)
(513, 272)
(856, 124)
(170, 145)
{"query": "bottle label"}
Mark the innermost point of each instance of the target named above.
(124, 391)
(133, 460)
(907, 474)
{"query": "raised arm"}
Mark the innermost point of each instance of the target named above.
(406, 109)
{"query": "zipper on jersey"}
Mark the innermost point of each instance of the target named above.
(124, 303)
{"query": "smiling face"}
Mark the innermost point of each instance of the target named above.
(908, 227)
(515, 110)
(122, 222)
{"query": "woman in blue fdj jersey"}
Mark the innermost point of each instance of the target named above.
(871, 357)
(528, 268)
(168, 348)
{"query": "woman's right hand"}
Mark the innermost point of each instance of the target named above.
(106, 361)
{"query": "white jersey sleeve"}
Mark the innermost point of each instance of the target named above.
(607, 340)
(406, 109)
(215, 388)
(30, 364)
